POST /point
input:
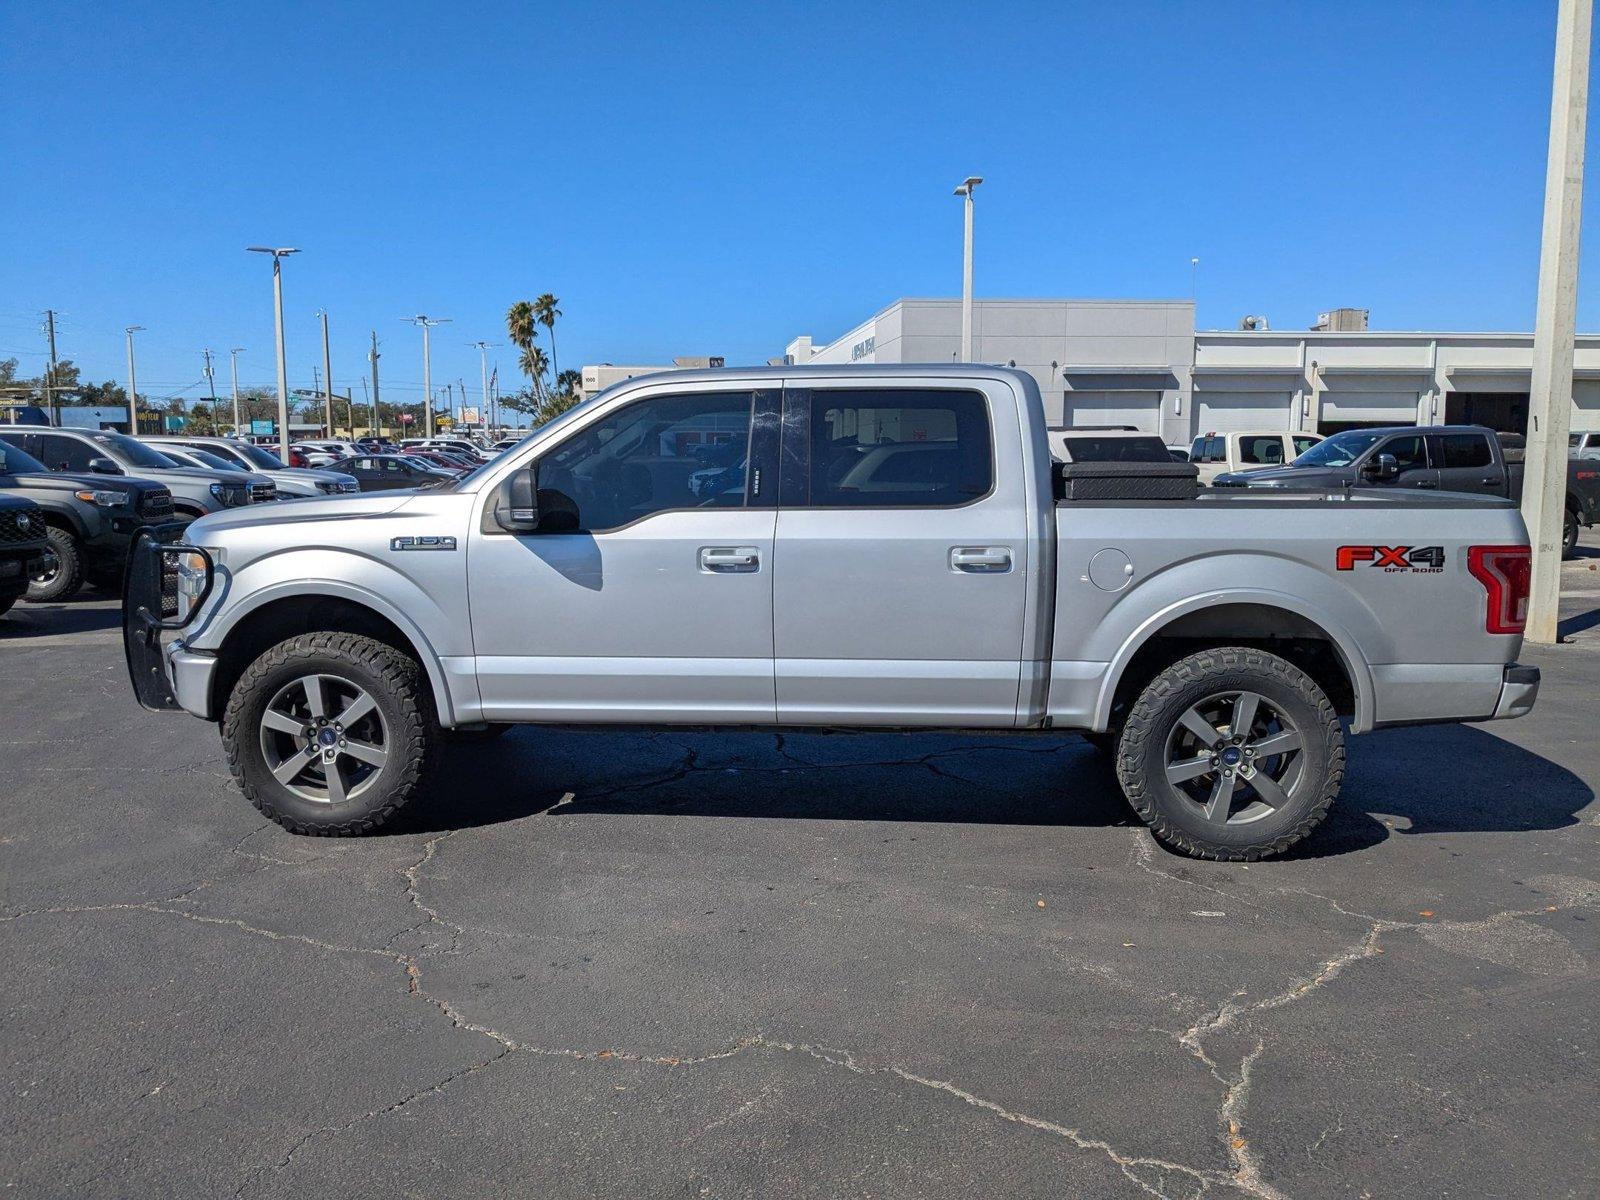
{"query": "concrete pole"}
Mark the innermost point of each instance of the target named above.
(233, 366)
(966, 278)
(133, 381)
(1544, 484)
(427, 383)
(327, 378)
(283, 365)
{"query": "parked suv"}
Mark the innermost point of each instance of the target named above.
(90, 521)
(22, 547)
(290, 481)
(195, 491)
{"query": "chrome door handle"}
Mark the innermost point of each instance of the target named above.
(980, 560)
(729, 560)
(1490, 482)
(1425, 483)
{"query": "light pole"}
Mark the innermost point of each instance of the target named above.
(233, 366)
(133, 379)
(278, 255)
(1194, 278)
(427, 323)
(327, 376)
(483, 365)
(965, 189)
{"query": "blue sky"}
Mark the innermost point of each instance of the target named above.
(715, 179)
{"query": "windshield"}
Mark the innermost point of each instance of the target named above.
(133, 454)
(1340, 450)
(14, 462)
(258, 457)
(205, 458)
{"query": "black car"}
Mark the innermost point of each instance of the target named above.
(22, 547)
(385, 472)
(90, 521)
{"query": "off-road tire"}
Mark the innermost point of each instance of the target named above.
(69, 570)
(392, 678)
(1141, 753)
(1569, 534)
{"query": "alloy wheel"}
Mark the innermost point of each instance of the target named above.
(324, 738)
(1235, 756)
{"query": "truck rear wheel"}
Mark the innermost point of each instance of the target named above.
(1231, 754)
(331, 734)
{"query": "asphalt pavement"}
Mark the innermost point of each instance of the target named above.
(603, 964)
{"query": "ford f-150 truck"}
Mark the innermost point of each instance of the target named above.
(901, 552)
(1449, 458)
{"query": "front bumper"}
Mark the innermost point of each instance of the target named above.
(150, 607)
(1519, 688)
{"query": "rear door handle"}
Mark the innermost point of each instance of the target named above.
(1426, 483)
(980, 560)
(1490, 481)
(729, 560)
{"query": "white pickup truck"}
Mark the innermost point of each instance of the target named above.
(846, 548)
(1250, 450)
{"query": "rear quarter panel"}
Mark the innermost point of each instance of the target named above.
(1412, 639)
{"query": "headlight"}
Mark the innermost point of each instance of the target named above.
(326, 486)
(191, 581)
(101, 499)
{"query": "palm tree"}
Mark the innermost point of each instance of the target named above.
(522, 328)
(534, 364)
(544, 308)
(568, 382)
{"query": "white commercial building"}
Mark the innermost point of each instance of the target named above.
(1142, 363)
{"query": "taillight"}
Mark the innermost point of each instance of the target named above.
(1506, 573)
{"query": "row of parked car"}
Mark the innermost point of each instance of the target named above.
(73, 499)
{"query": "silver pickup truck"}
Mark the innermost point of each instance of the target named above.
(849, 548)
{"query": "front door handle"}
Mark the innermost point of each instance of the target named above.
(1426, 483)
(980, 560)
(729, 560)
(1490, 481)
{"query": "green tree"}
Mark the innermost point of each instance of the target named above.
(545, 308)
(568, 383)
(534, 365)
(556, 404)
(522, 328)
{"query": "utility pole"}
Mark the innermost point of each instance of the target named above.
(233, 365)
(316, 390)
(278, 255)
(1550, 399)
(965, 189)
(427, 323)
(374, 357)
(211, 383)
(366, 393)
(133, 379)
(327, 373)
(50, 376)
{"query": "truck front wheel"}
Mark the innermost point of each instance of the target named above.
(331, 733)
(1231, 754)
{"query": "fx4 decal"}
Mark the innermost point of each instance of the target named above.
(422, 543)
(1425, 560)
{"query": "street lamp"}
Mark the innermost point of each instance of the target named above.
(483, 365)
(133, 382)
(278, 255)
(427, 323)
(965, 189)
(233, 363)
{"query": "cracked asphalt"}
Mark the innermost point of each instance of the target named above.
(610, 964)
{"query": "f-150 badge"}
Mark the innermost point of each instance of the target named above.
(422, 543)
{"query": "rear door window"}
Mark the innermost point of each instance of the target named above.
(1466, 450)
(1261, 450)
(894, 448)
(61, 453)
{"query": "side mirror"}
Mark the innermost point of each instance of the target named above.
(516, 508)
(104, 466)
(1384, 466)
